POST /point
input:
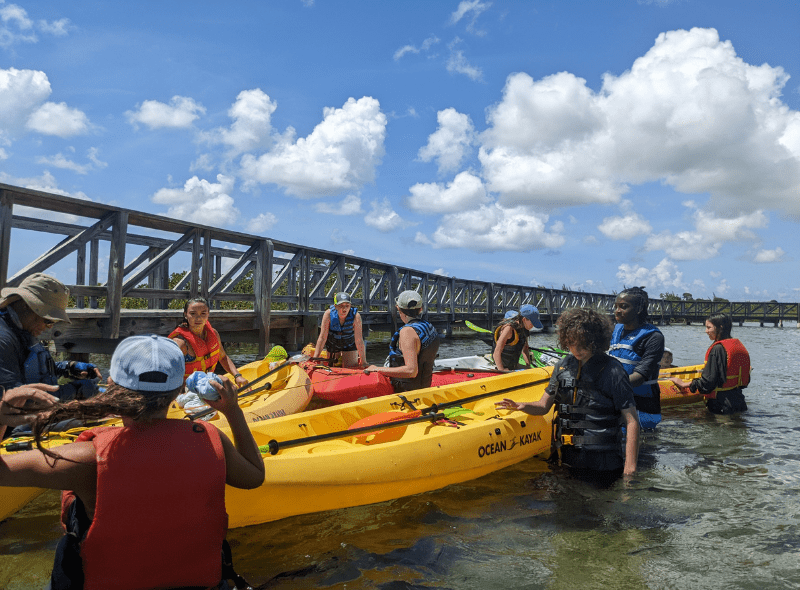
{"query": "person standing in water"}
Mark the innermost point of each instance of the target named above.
(727, 369)
(341, 333)
(639, 346)
(200, 343)
(594, 401)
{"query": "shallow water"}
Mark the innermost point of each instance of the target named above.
(714, 505)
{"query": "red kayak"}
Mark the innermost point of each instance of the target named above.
(335, 385)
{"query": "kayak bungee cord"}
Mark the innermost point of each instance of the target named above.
(431, 414)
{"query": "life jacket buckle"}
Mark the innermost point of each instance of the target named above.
(566, 439)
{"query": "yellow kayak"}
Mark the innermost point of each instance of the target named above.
(12, 499)
(287, 391)
(380, 449)
(671, 394)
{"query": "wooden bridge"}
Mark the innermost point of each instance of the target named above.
(261, 290)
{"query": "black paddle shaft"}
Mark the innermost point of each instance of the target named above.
(275, 446)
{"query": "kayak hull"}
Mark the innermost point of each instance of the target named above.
(402, 460)
(671, 394)
(289, 393)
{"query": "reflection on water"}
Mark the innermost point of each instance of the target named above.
(713, 506)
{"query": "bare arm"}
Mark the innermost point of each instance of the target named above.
(537, 408)
(505, 334)
(636, 379)
(228, 365)
(323, 333)
(632, 440)
(362, 351)
(409, 345)
(77, 471)
(526, 353)
(243, 463)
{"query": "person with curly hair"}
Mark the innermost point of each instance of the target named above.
(594, 402)
(639, 346)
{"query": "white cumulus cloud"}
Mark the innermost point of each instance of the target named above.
(775, 255)
(492, 228)
(340, 154)
(350, 205)
(450, 142)
(252, 125)
(201, 201)
(383, 218)
(689, 113)
(466, 191)
(624, 227)
(664, 275)
(261, 223)
(711, 233)
(180, 113)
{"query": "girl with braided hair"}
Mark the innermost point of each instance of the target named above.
(639, 346)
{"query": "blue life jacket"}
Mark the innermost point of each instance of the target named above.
(341, 336)
(646, 395)
(429, 347)
(39, 367)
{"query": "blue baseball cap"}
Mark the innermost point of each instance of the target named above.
(531, 313)
(510, 314)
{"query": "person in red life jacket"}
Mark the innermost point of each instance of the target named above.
(727, 369)
(341, 334)
(200, 343)
(144, 503)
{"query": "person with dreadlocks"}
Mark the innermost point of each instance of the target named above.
(639, 346)
(594, 401)
(144, 503)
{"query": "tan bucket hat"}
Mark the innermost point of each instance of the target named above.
(46, 296)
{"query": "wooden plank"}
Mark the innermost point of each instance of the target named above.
(116, 265)
(243, 259)
(61, 250)
(6, 222)
(158, 260)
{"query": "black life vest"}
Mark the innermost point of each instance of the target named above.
(585, 416)
(514, 345)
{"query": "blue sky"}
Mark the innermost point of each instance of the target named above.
(587, 144)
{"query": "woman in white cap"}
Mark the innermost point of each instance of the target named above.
(145, 503)
(341, 334)
(511, 338)
(26, 312)
(412, 349)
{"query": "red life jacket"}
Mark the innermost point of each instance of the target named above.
(159, 519)
(206, 352)
(738, 374)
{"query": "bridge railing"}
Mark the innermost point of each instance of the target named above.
(139, 253)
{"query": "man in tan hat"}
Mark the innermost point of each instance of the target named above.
(26, 312)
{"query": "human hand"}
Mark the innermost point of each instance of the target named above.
(79, 370)
(229, 399)
(507, 404)
(240, 381)
(371, 368)
(19, 404)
